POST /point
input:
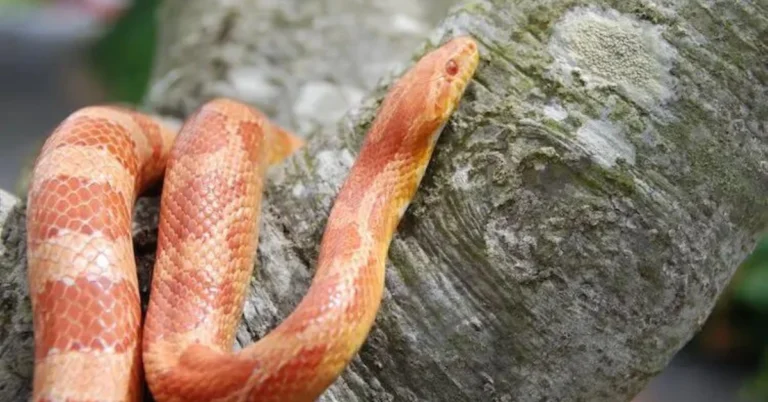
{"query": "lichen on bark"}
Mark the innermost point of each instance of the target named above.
(588, 202)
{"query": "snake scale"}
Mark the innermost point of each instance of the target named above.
(90, 341)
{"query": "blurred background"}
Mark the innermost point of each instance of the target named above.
(56, 56)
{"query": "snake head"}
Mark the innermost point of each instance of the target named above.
(453, 65)
(416, 108)
(420, 103)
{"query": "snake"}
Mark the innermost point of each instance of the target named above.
(91, 342)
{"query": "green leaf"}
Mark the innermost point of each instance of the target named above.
(752, 289)
(123, 57)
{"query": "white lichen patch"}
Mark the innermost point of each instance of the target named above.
(605, 142)
(334, 164)
(7, 202)
(460, 178)
(298, 190)
(555, 112)
(608, 48)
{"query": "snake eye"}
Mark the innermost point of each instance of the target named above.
(451, 68)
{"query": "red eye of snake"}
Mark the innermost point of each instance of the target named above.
(451, 67)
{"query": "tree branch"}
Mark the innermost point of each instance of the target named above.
(584, 208)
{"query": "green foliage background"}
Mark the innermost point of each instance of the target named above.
(122, 58)
(745, 308)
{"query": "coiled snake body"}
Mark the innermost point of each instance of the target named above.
(90, 344)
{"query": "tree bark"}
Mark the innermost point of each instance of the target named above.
(585, 207)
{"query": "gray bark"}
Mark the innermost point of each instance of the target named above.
(605, 174)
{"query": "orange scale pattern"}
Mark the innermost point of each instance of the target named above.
(89, 341)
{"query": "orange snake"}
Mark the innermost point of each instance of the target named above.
(90, 343)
